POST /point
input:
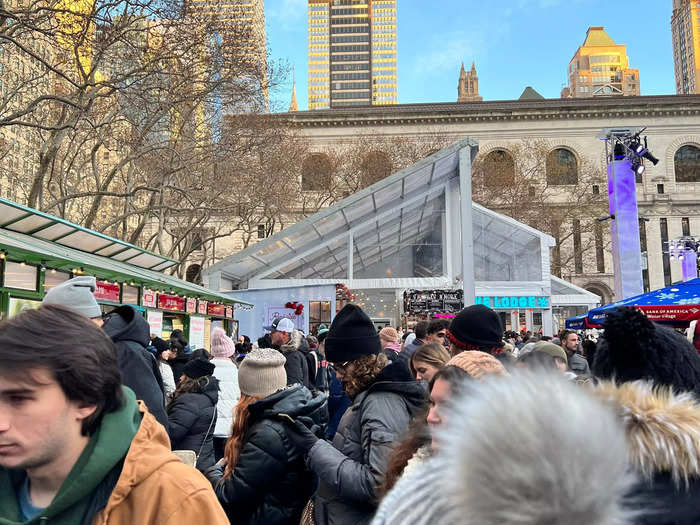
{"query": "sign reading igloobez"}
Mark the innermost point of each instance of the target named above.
(527, 301)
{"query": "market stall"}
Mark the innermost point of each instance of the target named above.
(39, 251)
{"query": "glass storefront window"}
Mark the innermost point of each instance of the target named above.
(130, 295)
(319, 313)
(20, 276)
(53, 278)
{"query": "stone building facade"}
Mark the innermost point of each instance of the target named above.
(668, 194)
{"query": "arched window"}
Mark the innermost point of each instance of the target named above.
(375, 167)
(316, 172)
(498, 169)
(687, 164)
(194, 274)
(562, 167)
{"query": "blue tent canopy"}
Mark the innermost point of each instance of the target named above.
(576, 323)
(676, 303)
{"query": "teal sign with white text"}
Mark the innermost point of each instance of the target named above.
(527, 301)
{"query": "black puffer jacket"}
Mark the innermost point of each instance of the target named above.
(352, 468)
(270, 484)
(192, 420)
(296, 366)
(130, 334)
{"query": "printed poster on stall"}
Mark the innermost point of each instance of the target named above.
(197, 331)
(17, 306)
(155, 321)
(275, 312)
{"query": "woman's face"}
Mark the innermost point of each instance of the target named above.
(424, 371)
(439, 398)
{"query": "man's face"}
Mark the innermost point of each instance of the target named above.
(279, 338)
(38, 423)
(436, 337)
(571, 342)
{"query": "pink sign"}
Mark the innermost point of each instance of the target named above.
(191, 305)
(217, 309)
(229, 312)
(202, 307)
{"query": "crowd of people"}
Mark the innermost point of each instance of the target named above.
(456, 421)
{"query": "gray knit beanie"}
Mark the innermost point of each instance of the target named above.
(262, 373)
(76, 294)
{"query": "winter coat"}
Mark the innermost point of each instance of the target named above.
(296, 366)
(191, 426)
(155, 487)
(578, 364)
(166, 373)
(338, 403)
(130, 334)
(270, 484)
(226, 372)
(351, 469)
(407, 352)
(663, 431)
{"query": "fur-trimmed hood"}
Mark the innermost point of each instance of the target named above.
(295, 342)
(662, 427)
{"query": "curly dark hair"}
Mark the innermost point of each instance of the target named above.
(363, 374)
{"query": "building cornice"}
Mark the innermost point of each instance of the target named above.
(494, 111)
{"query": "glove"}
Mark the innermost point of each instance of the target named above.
(301, 436)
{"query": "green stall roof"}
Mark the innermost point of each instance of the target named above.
(33, 249)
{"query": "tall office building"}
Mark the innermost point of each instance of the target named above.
(600, 67)
(685, 30)
(352, 53)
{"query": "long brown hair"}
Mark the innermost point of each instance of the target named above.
(187, 385)
(239, 427)
(434, 354)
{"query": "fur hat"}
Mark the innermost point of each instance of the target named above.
(262, 372)
(476, 325)
(221, 345)
(389, 334)
(477, 364)
(351, 336)
(196, 368)
(632, 347)
(498, 466)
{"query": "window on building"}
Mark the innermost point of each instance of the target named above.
(578, 254)
(599, 252)
(261, 231)
(375, 167)
(685, 226)
(497, 169)
(687, 164)
(316, 172)
(319, 313)
(660, 189)
(645, 254)
(596, 189)
(663, 224)
(562, 167)
(53, 278)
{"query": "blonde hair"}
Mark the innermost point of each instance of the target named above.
(433, 354)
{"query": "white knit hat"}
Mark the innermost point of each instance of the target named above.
(262, 373)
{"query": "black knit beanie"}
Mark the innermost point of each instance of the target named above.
(351, 336)
(632, 348)
(476, 325)
(197, 368)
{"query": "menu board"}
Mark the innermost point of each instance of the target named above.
(433, 301)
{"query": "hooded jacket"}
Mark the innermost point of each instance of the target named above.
(296, 366)
(192, 419)
(352, 468)
(130, 334)
(143, 482)
(663, 434)
(270, 483)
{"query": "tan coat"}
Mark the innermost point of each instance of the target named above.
(155, 487)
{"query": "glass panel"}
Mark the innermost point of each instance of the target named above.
(503, 252)
(30, 223)
(130, 295)
(379, 304)
(326, 311)
(420, 177)
(53, 278)
(85, 241)
(20, 276)
(328, 262)
(314, 311)
(408, 245)
(54, 231)
(386, 195)
(359, 209)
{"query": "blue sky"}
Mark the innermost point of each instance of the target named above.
(528, 42)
